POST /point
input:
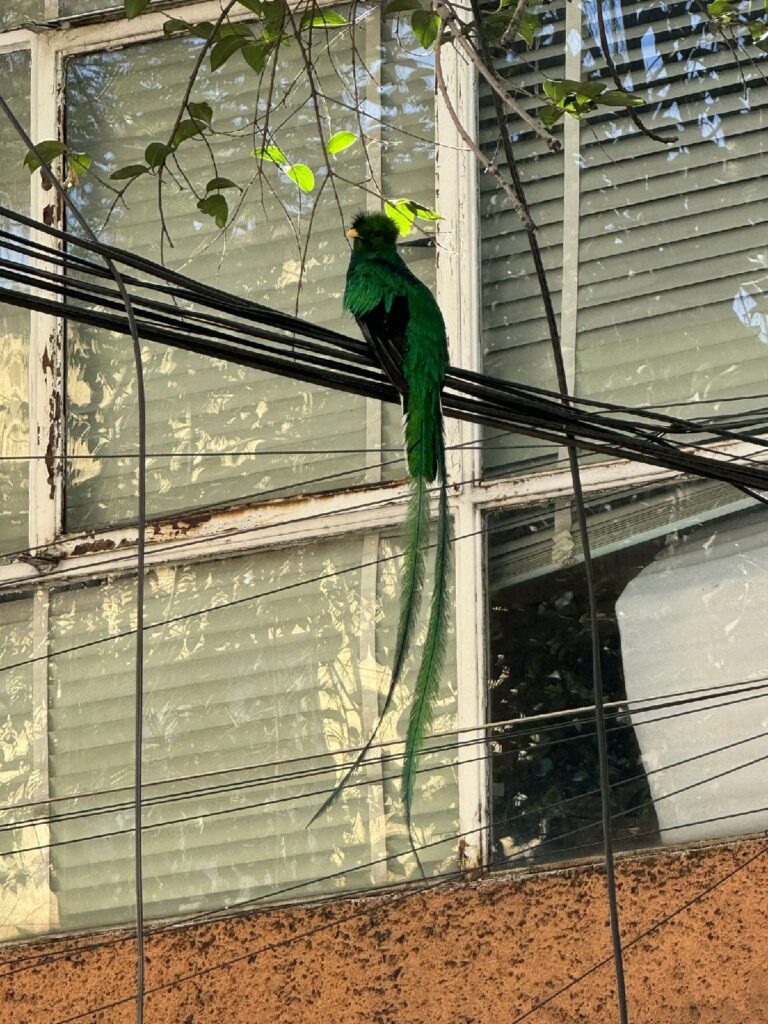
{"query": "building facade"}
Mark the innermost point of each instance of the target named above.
(275, 506)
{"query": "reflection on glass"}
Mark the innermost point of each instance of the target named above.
(284, 681)
(15, 13)
(515, 336)
(682, 587)
(669, 303)
(198, 407)
(672, 265)
(24, 889)
(14, 323)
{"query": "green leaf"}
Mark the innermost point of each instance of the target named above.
(528, 27)
(173, 25)
(78, 163)
(217, 183)
(400, 214)
(302, 175)
(157, 153)
(425, 26)
(566, 89)
(619, 98)
(224, 49)
(272, 153)
(201, 112)
(129, 171)
(135, 7)
(187, 129)
(340, 141)
(322, 19)
(549, 116)
(274, 14)
(203, 29)
(48, 151)
(253, 5)
(423, 212)
(216, 207)
(256, 55)
(398, 6)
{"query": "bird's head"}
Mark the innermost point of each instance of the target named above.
(373, 232)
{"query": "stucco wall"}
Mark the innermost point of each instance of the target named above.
(484, 951)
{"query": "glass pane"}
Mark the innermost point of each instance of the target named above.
(515, 338)
(284, 681)
(24, 891)
(682, 587)
(14, 322)
(672, 270)
(199, 407)
(669, 304)
(15, 13)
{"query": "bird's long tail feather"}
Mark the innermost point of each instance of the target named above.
(433, 653)
(416, 537)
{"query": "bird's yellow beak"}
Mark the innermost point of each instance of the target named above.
(352, 233)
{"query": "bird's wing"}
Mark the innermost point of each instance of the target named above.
(385, 331)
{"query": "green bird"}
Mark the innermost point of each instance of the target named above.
(403, 325)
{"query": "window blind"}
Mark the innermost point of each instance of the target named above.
(515, 337)
(672, 256)
(24, 889)
(671, 239)
(120, 101)
(14, 323)
(285, 681)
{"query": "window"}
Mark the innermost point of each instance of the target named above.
(272, 579)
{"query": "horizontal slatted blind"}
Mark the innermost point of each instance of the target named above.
(24, 892)
(672, 241)
(198, 404)
(515, 338)
(14, 323)
(278, 679)
(672, 256)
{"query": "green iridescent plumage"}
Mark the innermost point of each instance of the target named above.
(402, 323)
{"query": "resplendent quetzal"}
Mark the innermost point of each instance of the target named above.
(404, 327)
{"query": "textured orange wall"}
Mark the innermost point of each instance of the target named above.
(485, 951)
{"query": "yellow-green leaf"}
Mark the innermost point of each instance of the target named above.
(322, 19)
(340, 141)
(400, 214)
(301, 175)
(272, 153)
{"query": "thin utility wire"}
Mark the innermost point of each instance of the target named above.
(538, 724)
(128, 306)
(412, 890)
(494, 755)
(451, 766)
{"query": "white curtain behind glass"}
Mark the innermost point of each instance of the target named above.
(120, 101)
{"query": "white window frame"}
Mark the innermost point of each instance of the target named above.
(375, 506)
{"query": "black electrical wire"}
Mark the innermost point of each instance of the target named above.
(128, 306)
(411, 890)
(581, 515)
(451, 766)
(226, 788)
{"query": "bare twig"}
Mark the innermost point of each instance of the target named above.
(489, 165)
